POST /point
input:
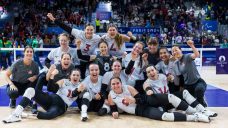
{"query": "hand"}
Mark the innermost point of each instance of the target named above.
(190, 43)
(53, 73)
(113, 58)
(149, 92)
(170, 78)
(51, 17)
(81, 88)
(97, 96)
(115, 115)
(13, 87)
(78, 43)
(52, 68)
(32, 79)
(129, 99)
(145, 56)
(129, 33)
(124, 54)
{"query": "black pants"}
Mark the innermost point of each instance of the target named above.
(41, 81)
(197, 90)
(21, 87)
(51, 103)
(139, 86)
(93, 106)
(155, 113)
(173, 88)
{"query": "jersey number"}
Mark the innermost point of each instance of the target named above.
(86, 49)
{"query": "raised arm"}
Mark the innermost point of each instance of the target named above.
(195, 53)
(59, 23)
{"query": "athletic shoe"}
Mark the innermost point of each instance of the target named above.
(209, 113)
(84, 116)
(201, 118)
(12, 118)
(12, 103)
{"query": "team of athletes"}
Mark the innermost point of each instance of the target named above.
(147, 82)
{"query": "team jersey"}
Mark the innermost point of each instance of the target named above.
(160, 85)
(118, 99)
(112, 46)
(88, 46)
(108, 75)
(136, 72)
(56, 54)
(104, 63)
(65, 91)
(63, 74)
(92, 88)
(168, 69)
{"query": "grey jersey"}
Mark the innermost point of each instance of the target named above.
(56, 54)
(168, 69)
(21, 72)
(113, 49)
(118, 100)
(186, 67)
(108, 75)
(88, 46)
(65, 91)
(136, 72)
(63, 74)
(92, 88)
(159, 85)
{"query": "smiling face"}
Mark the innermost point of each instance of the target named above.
(63, 41)
(116, 85)
(176, 52)
(137, 49)
(65, 61)
(28, 53)
(94, 72)
(75, 76)
(112, 31)
(164, 54)
(116, 67)
(89, 31)
(151, 72)
(103, 48)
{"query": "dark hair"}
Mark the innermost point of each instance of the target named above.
(152, 41)
(114, 77)
(64, 34)
(64, 54)
(117, 61)
(28, 46)
(102, 41)
(176, 45)
(112, 25)
(75, 69)
(164, 48)
(89, 24)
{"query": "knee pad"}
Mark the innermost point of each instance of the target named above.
(29, 93)
(175, 101)
(168, 116)
(188, 97)
(87, 95)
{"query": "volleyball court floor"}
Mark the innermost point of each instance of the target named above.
(216, 96)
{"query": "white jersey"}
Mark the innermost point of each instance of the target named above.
(118, 99)
(168, 69)
(112, 46)
(136, 72)
(56, 54)
(65, 91)
(92, 88)
(108, 75)
(159, 85)
(88, 46)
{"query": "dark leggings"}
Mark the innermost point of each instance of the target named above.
(155, 113)
(14, 94)
(51, 103)
(93, 106)
(41, 81)
(197, 90)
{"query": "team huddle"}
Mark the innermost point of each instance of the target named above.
(147, 82)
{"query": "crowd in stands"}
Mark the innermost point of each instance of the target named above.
(177, 21)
